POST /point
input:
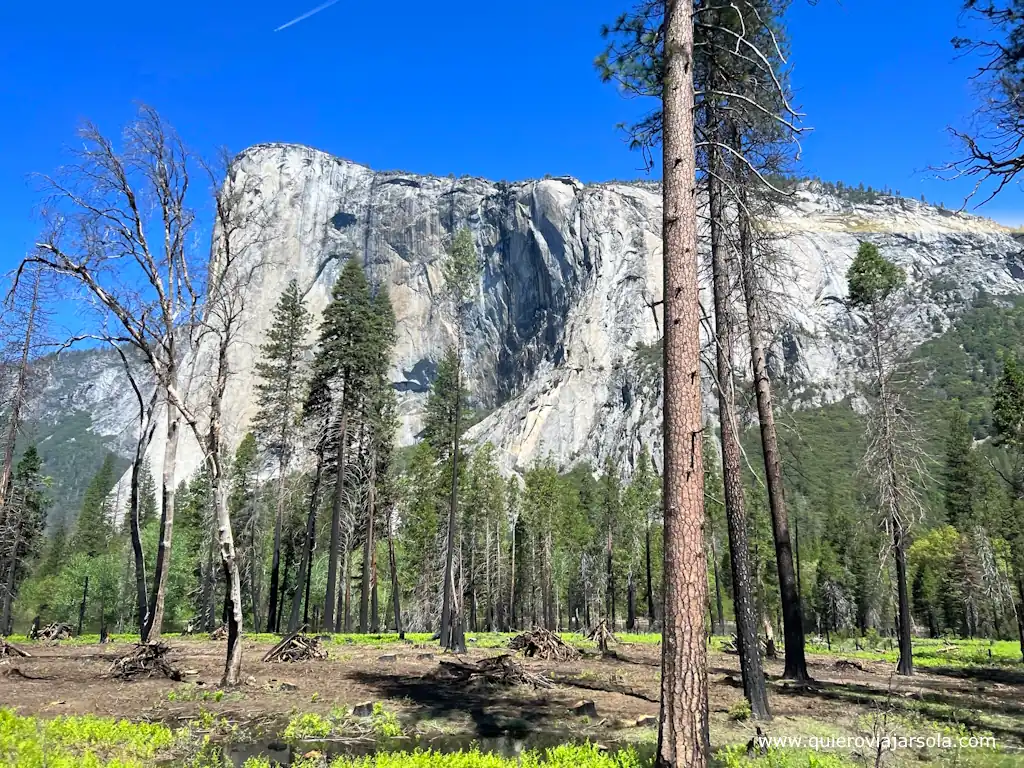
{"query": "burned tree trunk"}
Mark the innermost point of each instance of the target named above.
(792, 611)
(368, 548)
(742, 581)
(338, 501)
(302, 581)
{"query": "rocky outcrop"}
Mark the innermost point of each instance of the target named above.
(562, 340)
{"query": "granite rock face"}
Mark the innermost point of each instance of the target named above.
(562, 347)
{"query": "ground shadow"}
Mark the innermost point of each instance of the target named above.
(495, 710)
(1004, 675)
(967, 710)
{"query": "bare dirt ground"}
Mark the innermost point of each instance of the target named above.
(73, 679)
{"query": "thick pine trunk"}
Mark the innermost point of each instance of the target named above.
(735, 513)
(683, 740)
(338, 502)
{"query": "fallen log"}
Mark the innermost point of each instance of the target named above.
(543, 644)
(10, 651)
(145, 660)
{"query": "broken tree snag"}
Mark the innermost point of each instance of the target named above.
(602, 636)
(10, 651)
(296, 647)
(543, 644)
(500, 670)
(145, 660)
(52, 632)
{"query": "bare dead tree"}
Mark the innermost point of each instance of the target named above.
(118, 225)
(993, 143)
(894, 462)
(28, 317)
(146, 429)
(238, 261)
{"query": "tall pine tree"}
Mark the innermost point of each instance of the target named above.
(345, 353)
(21, 532)
(283, 372)
(94, 527)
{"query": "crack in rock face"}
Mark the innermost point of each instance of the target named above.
(566, 317)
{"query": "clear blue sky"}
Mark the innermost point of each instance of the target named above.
(503, 90)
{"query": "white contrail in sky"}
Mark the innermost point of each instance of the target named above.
(307, 14)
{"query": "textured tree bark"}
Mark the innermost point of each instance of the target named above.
(792, 611)
(683, 722)
(744, 600)
(339, 499)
